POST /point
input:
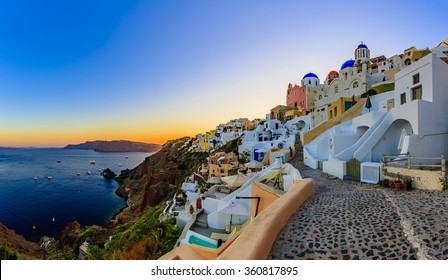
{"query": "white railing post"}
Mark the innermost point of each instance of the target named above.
(443, 167)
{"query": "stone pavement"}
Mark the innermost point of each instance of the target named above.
(351, 220)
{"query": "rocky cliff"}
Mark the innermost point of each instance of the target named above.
(15, 243)
(157, 178)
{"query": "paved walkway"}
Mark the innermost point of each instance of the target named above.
(349, 220)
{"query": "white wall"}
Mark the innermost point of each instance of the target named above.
(388, 144)
(379, 102)
(334, 167)
(404, 80)
(305, 119)
(229, 136)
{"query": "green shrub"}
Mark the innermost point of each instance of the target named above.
(145, 238)
(7, 255)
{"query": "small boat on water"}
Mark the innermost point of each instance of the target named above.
(35, 178)
(50, 177)
(88, 172)
(78, 174)
(58, 161)
(92, 161)
(126, 157)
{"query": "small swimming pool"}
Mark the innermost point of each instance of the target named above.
(201, 242)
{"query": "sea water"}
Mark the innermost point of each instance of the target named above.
(34, 208)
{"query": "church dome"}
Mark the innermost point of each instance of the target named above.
(310, 75)
(331, 76)
(348, 63)
(332, 73)
(362, 46)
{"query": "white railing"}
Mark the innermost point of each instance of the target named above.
(406, 161)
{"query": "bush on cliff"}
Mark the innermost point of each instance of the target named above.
(145, 238)
(7, 255)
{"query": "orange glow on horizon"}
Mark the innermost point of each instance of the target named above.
(64, 136)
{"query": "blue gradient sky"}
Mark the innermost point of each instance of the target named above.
(72, 71)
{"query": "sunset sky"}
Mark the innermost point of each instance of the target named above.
(150, 71)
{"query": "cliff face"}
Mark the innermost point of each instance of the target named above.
(13, 242)
(157, 178)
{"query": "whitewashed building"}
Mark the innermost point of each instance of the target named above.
(270, 134)
(410, 119)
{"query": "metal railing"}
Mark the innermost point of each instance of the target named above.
(406, 161)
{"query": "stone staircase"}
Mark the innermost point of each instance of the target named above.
(201, 221)
(299, 149)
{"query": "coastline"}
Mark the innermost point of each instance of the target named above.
(39, 201)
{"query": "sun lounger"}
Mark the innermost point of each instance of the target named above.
(237, 227)
(222, 236)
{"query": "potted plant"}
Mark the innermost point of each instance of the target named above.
(398, 184)
(407, 184)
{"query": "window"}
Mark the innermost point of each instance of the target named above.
(331, 114)
(416, 78)
(346, 75)
(309, 82)
(417, 93)
(336, 89)
(390, 104)
(295, 104)
(335, 111)
(402, 98)
(320, 96)
(355, 84)
(347, 105)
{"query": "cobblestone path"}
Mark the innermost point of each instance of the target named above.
(349, 220)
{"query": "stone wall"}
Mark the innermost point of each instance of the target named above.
(421, 179)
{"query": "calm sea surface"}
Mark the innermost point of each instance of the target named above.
(50, 204)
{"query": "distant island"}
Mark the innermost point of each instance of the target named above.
(116, 146)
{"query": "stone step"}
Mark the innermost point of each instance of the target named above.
(201, 221)
(202, 224)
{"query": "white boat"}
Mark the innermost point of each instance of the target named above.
(92, 161)
(50, 177)
(88, 172)
(78, 174)
(35, 178)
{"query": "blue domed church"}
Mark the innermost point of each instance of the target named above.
(355, 78)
